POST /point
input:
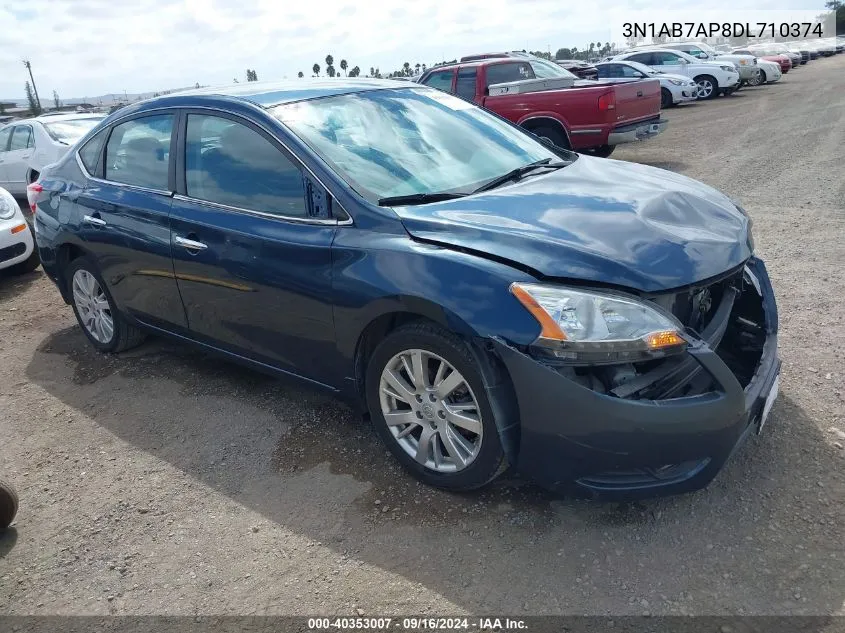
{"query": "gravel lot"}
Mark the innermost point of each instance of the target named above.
(165, 481)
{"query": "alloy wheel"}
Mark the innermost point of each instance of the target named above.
(93, 306)
(431, 411)
(705, 88)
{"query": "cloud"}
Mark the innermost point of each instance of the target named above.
(92, 47)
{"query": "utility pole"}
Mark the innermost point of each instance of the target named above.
(29, 68)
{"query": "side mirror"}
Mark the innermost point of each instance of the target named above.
(702, 56)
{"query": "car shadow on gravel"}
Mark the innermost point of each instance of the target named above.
(12, 285)
(767, 527)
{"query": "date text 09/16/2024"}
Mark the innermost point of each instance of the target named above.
(724, 29)
(481, 624)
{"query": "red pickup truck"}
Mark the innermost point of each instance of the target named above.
(590, 117)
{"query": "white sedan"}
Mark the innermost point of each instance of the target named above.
(27, 146)
(17, 249)
(674, 89)
(769, 73)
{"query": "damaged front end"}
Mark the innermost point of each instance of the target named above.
(654, 425)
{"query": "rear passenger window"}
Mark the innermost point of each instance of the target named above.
(504, 73)
(231, 164)
(89, 154)
(441, 80)
(138, 152)
(465, 85)
(21, 138)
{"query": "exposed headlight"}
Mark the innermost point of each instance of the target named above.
(581, 326)
(730, 69)
(677, 82)
(743, 62)
(8, 206)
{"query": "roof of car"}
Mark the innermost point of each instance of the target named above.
(268, 94)
(60, 116)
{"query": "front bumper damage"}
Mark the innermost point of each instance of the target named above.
(667, 430)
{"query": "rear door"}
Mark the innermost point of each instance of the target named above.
(667, 62)
(124, 215)
(16, 159)
(252, 236)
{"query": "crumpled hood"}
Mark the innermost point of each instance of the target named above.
(597, 220)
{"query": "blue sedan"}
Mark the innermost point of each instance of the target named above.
(485, 298)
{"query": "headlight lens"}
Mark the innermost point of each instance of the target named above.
(581, 326)
(729, 69)
(8, 206)
(677, 82)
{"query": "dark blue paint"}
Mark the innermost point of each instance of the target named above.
(296, 298)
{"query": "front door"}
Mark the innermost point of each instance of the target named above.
(124, 216)
(251, 255)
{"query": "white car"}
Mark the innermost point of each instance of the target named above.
(770, 72)
(27, 146)
(745, 64)
(17, 249)
(713, 78)
(674, 89)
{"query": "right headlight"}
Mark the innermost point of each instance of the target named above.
(581, 326)
(8, 206)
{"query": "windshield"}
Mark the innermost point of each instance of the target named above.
(71, 130)
(544, 69)
(407, 141)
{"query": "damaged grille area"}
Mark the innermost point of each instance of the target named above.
(726, 313)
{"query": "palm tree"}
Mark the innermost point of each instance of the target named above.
(407, 68)
(330, 71)
(300, 74)
(417, 67)
(372, 72)
(329, 60)
(316, 69)
(355, 72)
(343, 66)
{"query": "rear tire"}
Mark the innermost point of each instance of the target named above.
(708, 87)
(666, 100)
(117, 336)
(8, 504)
(431, 460)
(551, 135)
(602, 151)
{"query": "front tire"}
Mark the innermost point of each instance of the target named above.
(708, 87)
(428, 403)
(666, 100)
(95, 311)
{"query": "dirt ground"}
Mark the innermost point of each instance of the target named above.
(166, 481)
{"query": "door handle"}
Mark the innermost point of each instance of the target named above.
(191, 245)
(90, 219)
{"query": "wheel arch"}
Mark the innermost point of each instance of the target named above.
(65, 254)
(534, 121)
(497, 381)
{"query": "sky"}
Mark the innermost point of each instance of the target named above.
(93, 47)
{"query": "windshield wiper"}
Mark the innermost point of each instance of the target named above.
(419, 198)
(519, 172)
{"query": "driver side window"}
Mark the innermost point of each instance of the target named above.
(666, 59)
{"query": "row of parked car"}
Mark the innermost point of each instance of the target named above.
(592, 108)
